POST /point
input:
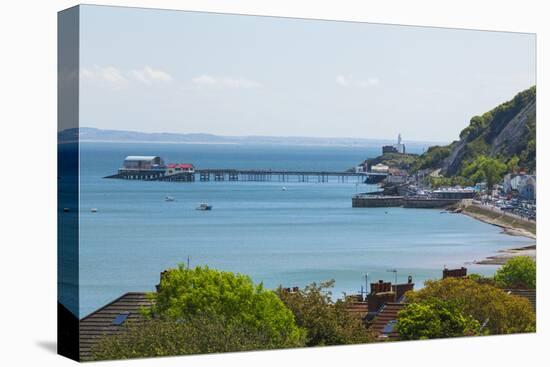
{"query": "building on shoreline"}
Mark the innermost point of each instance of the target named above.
(522, 184)
(395, 148)
(175, 168)
(135, 162)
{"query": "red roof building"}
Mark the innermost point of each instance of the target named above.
(183, 166)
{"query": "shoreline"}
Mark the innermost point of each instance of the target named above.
(510, 226)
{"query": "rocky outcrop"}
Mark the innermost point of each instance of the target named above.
(506, 131)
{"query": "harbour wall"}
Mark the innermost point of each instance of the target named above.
(372, 201)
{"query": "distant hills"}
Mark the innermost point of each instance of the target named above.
(88, 134)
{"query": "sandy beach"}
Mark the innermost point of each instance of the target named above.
(510, 225)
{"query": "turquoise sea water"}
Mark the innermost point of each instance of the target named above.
(307, 233)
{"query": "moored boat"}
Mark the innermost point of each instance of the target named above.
(204, 206)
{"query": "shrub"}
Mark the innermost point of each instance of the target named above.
(200, 334)
(497, 311)
(326, 322)
(518, 272)
(184, 293)
(434, 318)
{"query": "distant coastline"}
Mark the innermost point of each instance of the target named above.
(94, 135)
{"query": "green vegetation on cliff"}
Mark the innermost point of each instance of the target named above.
(504, 132)
(500, 140)
(397, 160)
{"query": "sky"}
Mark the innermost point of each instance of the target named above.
(188, 72)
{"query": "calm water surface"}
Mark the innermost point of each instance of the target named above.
(307, 233)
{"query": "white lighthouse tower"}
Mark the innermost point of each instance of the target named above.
(400, 147)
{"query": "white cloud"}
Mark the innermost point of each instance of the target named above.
(224, 82)
(107, 74)
(350, 82)
(148, 75)
(118, 78)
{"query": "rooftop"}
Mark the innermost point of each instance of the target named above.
(110, 319)
(140, 158)
(383, 324)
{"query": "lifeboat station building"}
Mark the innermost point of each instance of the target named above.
(138, 162)
(153, 168)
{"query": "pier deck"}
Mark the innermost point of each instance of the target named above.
(223, 174)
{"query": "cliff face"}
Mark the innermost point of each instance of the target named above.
(506, 131)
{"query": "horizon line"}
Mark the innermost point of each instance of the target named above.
(257, 136)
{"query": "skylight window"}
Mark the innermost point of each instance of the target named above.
(389, 327)
(121, 317)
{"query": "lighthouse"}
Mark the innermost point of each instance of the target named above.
(400, 147)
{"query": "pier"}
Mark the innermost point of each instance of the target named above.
(248, 175)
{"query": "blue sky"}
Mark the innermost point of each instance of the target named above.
(185, 72)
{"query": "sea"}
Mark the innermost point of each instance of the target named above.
(305, 233)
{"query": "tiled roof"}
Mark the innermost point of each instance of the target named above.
(358, 308)
(100, 323)
(387, 314)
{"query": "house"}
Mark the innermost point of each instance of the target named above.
(380, 168)
(389, 149)
(174, 168)
(384, 324)
(395, 148)
(110, 320)
(361, 168)
(357, 306)
(527, 188)
(138, 162)
(523, 184)
(396, 176)
(455, 273)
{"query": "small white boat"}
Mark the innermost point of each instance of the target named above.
(283, 188)
(169, 198)
(93, 210)
(204, 206)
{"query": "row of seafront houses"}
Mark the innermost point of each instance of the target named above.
(519, 184)
(378, 310)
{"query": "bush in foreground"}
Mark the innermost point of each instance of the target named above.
(202, 310)
(184, 293)
(433, 318)
(497, 311)
(198, 335)
(326, 322)
(518, 272)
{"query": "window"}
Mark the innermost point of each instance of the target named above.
(121, 317)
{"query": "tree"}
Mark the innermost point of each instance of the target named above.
(512, 164)
(200, 334)
(485, 168)
(184, 293)
(498, 311)
(326, 322)
(433, 318)
(518, 272)
(202, 310)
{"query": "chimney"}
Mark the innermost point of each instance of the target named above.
(162, 275)
(455, 273)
